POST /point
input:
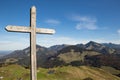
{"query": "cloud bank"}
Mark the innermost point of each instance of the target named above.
(47, 41)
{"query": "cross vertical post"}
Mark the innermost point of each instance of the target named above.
(33, 43)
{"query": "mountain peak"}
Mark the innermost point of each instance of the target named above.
(94, 45)
(92, 42)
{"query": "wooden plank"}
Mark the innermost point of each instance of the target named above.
(28, 29)
(33, 44)
(45, 31)
(18, 29)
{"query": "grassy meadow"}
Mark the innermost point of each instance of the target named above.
(16, 72)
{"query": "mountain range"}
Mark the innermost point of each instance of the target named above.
(2, 53)
(92, 54)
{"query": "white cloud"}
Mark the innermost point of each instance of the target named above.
(86, 25)
(53, 40)
(83, 18)
(118, 31)
(11, 45)
(14, 42)
(52, 21)
(85, 22)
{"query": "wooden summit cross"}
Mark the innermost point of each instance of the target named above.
(32, 30)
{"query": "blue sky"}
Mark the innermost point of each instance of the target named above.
(75, 21)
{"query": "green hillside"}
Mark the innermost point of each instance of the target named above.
(15, 72)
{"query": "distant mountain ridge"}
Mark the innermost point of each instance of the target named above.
(3, 53)
(80, 54)
(111, 45)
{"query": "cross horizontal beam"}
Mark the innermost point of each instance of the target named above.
(28, 29)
